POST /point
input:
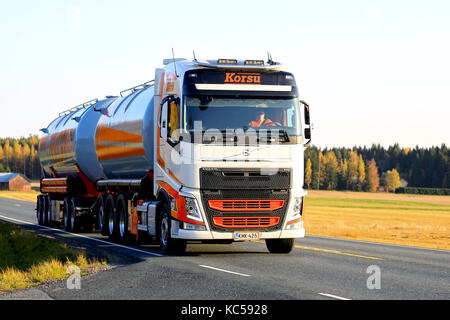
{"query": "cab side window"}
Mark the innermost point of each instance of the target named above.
(174, 121)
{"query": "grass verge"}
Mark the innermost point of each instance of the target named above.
(28, 259)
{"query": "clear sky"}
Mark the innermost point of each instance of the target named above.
(372, 71)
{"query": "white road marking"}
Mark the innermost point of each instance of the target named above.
(83, 236)
(333, 296)
(228, 271)
(18, 205)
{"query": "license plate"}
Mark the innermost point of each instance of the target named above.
(246, 235)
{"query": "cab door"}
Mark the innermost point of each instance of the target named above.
(169, 138)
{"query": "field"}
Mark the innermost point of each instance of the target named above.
(23, 195)
(20, 195)
(413, 220)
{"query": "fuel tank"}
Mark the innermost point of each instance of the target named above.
(111, 138)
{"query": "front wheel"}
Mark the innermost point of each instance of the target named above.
(280, 245)
(167, 243)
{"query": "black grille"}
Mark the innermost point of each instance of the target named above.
(218, 179)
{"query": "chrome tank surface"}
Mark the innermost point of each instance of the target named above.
(112, 138)
(124, 136)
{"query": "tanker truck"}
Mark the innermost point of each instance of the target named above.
(208, 151)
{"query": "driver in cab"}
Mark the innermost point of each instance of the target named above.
(261, 121)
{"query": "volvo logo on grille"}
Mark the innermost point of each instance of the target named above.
(246, 152)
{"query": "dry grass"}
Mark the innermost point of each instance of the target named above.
(20, 195)
(414, 220)
(28, 259)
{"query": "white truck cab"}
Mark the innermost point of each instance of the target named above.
(229, 143)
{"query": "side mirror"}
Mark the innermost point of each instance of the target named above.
(170, 99)
(307, 118)
(307, 131)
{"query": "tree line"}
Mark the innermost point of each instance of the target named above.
(20, 155)
(369, 168)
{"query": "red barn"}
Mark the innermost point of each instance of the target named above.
(14, 182)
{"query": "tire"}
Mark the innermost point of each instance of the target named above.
(39, 210)
(166, 242)
(102, 217)
(45, 211)
(75, 221)
(66, 214)
(280, 245)
(122, 215)
(113, 230)
(48, 212)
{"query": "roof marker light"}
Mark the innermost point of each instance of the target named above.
(254, 62)
(227, 61)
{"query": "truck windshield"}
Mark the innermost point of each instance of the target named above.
(224, 113)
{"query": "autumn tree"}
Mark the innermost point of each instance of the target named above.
(352, 172)
(308, 173)
(372, 178)
(17, 156)
(361, 174)
(8, 155)
(331, 171)
(392, 180)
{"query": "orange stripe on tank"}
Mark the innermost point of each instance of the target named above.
(105, 134)
(114, 135)
(111, 152)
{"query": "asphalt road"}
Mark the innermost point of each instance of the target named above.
(318, 268)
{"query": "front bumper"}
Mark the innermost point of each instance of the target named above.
(212, 235)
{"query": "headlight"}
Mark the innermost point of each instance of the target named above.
(192, 211)
(294, 219)
(298, 205)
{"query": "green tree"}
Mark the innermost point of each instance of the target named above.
(321, 173)
(343, 174)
